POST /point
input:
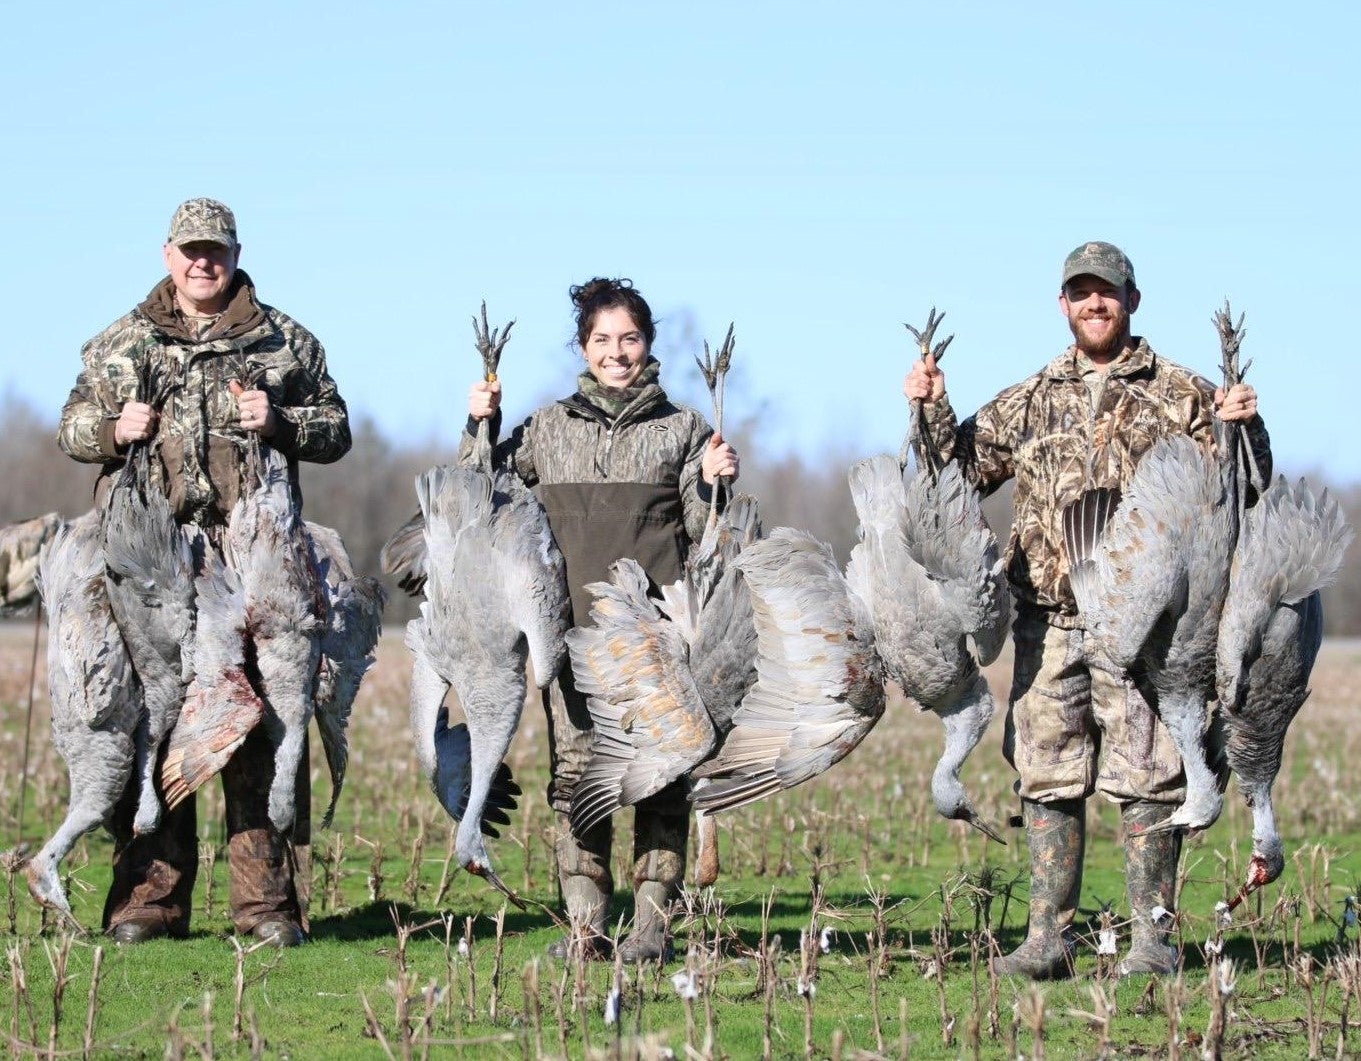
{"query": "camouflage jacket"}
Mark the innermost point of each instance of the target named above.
(631, 486)
(199, 442)
(1059, 438)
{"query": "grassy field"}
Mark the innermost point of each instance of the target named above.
(850, 885)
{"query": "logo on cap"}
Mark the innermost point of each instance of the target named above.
(203, 221)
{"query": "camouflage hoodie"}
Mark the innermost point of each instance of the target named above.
(199, 440)
(1059, 433)
(613, 487)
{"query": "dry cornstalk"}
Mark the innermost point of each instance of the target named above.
(494, 1003)
(92, 1005)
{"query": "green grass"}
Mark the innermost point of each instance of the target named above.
(865, 828)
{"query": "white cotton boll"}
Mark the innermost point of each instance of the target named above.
(825, 940)
(685, 984)
(463, 948)
(1105, 942)
(612, 1006)
(1213, 947)
(1161, 916)
(807, 988)
(1223, 915)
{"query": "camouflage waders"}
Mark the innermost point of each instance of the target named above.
(1151, 883)
(1056, 835)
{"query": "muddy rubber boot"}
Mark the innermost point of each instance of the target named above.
(587, 887)
(661, 834)
(1150, 881)
(649, 941)
(1055, 834)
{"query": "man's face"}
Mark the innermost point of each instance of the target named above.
(1098, 313)
(202, 274)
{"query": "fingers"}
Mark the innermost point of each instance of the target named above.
(720, 460)
(484, 398)
(1239, 403)
(253, 409)
(136, 422)
(234, 385)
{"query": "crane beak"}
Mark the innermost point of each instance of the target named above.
(986, 829)
(490, 876)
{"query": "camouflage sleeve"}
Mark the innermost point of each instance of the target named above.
(108, 378)
(313, 423)
(696, 495)
(515, 453)
(981, 444)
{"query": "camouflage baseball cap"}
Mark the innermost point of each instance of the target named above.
(1105, 260)
(202, 220)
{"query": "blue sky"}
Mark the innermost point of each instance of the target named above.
(816, 173)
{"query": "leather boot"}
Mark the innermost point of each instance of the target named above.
(661, 834)
(1055, 834)
(1150, 881)
(587, 886)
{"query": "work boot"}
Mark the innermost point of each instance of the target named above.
(1055, 834)
(661, 834)
(649, 940)
(586, 883)
(1151, 882)
(279, 932)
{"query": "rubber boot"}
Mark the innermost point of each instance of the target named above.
(587, 886)
(1055, 834)
(1151, 882)
(661, 833)
(648, 942)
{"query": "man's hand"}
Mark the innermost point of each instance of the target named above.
(256, 413)
(719, 460)
(484, 398)
(925, 383)
(136, 422)
(1240, 403)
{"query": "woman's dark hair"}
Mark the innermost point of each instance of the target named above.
(599, 293)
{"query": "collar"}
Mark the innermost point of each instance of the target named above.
(243, 313)
(1141, 360)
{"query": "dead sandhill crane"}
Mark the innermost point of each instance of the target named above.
(20, 544)
(1269, 636)
(1150, 588)
(150, 572)
(819, 684)
(266, 545)
(496, 596)
(354, 610)
(222, 705)
(1150, 572)
(96, 697)
(930, 571)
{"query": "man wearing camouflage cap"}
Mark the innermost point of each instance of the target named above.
(1083, 421)
(221, 366)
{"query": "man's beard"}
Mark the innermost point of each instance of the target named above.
(1111, 344)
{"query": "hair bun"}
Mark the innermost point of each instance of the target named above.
(596, 288)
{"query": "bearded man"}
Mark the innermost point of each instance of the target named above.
(1072, 729)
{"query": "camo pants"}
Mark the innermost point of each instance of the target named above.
(153, 876)
(1074, 728)
(661, 823)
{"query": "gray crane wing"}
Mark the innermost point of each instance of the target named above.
(819, 687)
(403, 556)
(1128, 556)
(454, 778)
(650, 725)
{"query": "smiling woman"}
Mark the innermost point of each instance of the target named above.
(622, 472)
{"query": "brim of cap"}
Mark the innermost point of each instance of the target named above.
(1111, 276)
(212, 236)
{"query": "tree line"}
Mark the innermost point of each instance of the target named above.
(370, 493)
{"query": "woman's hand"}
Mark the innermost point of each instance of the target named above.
(719, 460)
(484, 399)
